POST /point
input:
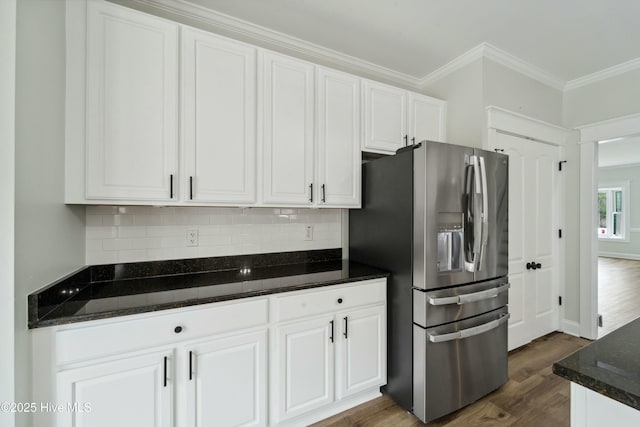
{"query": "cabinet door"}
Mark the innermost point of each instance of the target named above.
(338, 124)
(303, 378)
(361, 363)
(227, 385)
(219, 104)
(288, 100)
(132, 104)
(385, 118)
(130, 392)
(427, 118)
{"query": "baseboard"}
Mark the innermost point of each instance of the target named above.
(570, 327)
(619, 255)
(333, 409)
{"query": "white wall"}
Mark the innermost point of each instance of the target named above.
(143, 233)
(49, 235)
(463, 92)
(513, 91)
(7, 180)
(614, 97)
(630, 249)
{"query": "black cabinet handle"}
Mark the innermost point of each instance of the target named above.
(538, 265)
(406, 140)
(190, 365)
(323, 194)
(171, 186)
(339, 300)
(346, 327)
(331, 337)
(529, 265)
(413, 141)
(190, 188)
(311, 192)
(177, 329)
(165, 370)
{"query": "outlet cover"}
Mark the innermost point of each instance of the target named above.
(192, 237)
(308, 232)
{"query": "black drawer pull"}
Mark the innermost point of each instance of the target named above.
(178, 329)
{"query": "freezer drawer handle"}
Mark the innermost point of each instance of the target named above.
(470, 332)
(467, 298)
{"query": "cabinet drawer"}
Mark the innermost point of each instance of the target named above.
(311, 302)
(94, 341)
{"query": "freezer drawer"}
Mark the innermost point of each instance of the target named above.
(436, 307)
(458, 363)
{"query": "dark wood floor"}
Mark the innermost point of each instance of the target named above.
(533, 396)
(618, 292)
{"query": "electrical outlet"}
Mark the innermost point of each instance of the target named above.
(192, 237)
(308, 232)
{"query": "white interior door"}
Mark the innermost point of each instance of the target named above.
(533, 245)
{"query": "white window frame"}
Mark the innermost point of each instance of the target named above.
(624, 187)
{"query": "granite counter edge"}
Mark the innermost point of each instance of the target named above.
(597, 385)
(41, 323)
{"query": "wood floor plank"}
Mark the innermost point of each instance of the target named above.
(533, 396)
(618, 292)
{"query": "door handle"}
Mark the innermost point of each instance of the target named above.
(533, 265)
(331, 336)
(406, 140)
(311, 192)
(324, 195)
(346, 327)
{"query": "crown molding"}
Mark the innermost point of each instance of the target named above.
(511, 61)
(461, 61)
(251, 31)
(489, 51)
(616, 70)
(246, 30)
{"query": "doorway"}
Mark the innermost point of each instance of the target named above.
(618, 200)
(590, 136)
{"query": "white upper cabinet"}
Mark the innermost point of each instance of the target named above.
(427, 118)
(288, 109)
(160, 113)
(385, 117)
(338, 139)
(132, 104)
(219, 111)
(395, 118)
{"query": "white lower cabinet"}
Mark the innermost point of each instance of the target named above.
(324, 359)
(132, 391)
(362, 351)
(227, 381)
(304, 373)
(288, 359)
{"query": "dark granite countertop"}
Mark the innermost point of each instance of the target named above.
(609, 366)
(98, 292)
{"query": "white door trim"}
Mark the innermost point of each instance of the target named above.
(590, 134)
(7, 209)
(501, 120)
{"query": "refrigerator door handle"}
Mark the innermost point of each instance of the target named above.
(470, 332)
(469, 298)
(473, 187)
(483, 295)
(485, 214)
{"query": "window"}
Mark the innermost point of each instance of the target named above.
(613, 212)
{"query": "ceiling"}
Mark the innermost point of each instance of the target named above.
(624, 151)
(568, 39)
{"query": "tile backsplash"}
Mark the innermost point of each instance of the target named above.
(143, 233)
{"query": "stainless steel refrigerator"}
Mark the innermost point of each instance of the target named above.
(435, 216)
